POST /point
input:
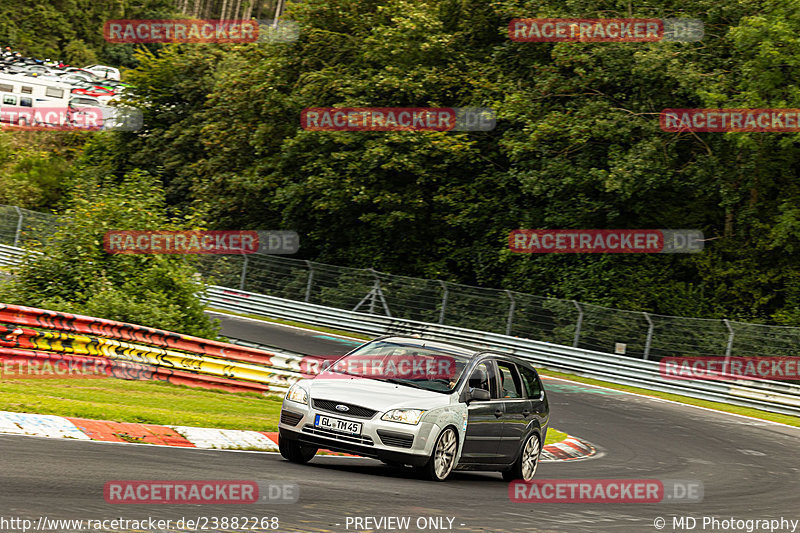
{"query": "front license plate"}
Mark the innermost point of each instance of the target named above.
(337, 424)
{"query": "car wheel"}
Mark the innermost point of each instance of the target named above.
(293, 451)
(525, 466)
(443, 457)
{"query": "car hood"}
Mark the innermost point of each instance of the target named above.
(374, 394)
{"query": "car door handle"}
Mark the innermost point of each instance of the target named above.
(526, 413)
(498, 413)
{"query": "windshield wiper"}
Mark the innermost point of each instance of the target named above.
(404, 382)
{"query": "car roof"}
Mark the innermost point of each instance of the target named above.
(468, 351)
(512, 358)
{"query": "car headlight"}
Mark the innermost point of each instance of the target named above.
(297, 394)
(404, 416)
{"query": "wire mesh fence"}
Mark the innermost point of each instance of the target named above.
(566, 322)
(21, 227)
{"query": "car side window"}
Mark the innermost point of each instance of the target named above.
(482, 377)
(509, 379)
(532, 385)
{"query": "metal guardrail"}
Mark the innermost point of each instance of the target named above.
(635, 334)
(777, 398)
(11, 255)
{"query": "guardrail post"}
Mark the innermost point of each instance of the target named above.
(19, 225)
(511, 306)
(244, 273)
(578, 324)
(729, 348)
(649, 340)
(310, 280)
(444, 301)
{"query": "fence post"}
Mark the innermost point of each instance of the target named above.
(511, 306)
(444, 301)
(244, 272)
(19, 226)
(729, 348)
(310, 280)
(578, 324)
(377, 293)
(649, 340)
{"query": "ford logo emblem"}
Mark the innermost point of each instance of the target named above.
(342, 408)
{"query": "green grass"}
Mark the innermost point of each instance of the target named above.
(149, 402)
(746, 411)
(554, 435)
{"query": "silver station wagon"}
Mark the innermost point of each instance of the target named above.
(435, 406)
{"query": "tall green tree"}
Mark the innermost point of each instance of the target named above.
(75, 274)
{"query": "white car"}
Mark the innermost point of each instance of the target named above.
(107, 73)
(432, 405)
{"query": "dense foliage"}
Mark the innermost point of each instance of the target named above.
(577, 145)
(76, 275)
(72, 30)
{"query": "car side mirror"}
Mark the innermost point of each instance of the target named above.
(480, 395)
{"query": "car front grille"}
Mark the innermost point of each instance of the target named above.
(343, 437)
(290, 418)
(401, 440)
(354, 410)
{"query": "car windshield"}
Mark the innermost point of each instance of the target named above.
(430, 367)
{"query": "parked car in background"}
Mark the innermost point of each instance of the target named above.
(105, 72)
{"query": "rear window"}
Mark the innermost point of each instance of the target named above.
(510, 386)
(532, 385)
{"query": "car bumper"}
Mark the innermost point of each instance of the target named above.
(379, 439)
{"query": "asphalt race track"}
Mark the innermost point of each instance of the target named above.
(749, 469)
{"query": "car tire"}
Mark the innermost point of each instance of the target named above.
(443, 456)
(293, 451)
(524, 467)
